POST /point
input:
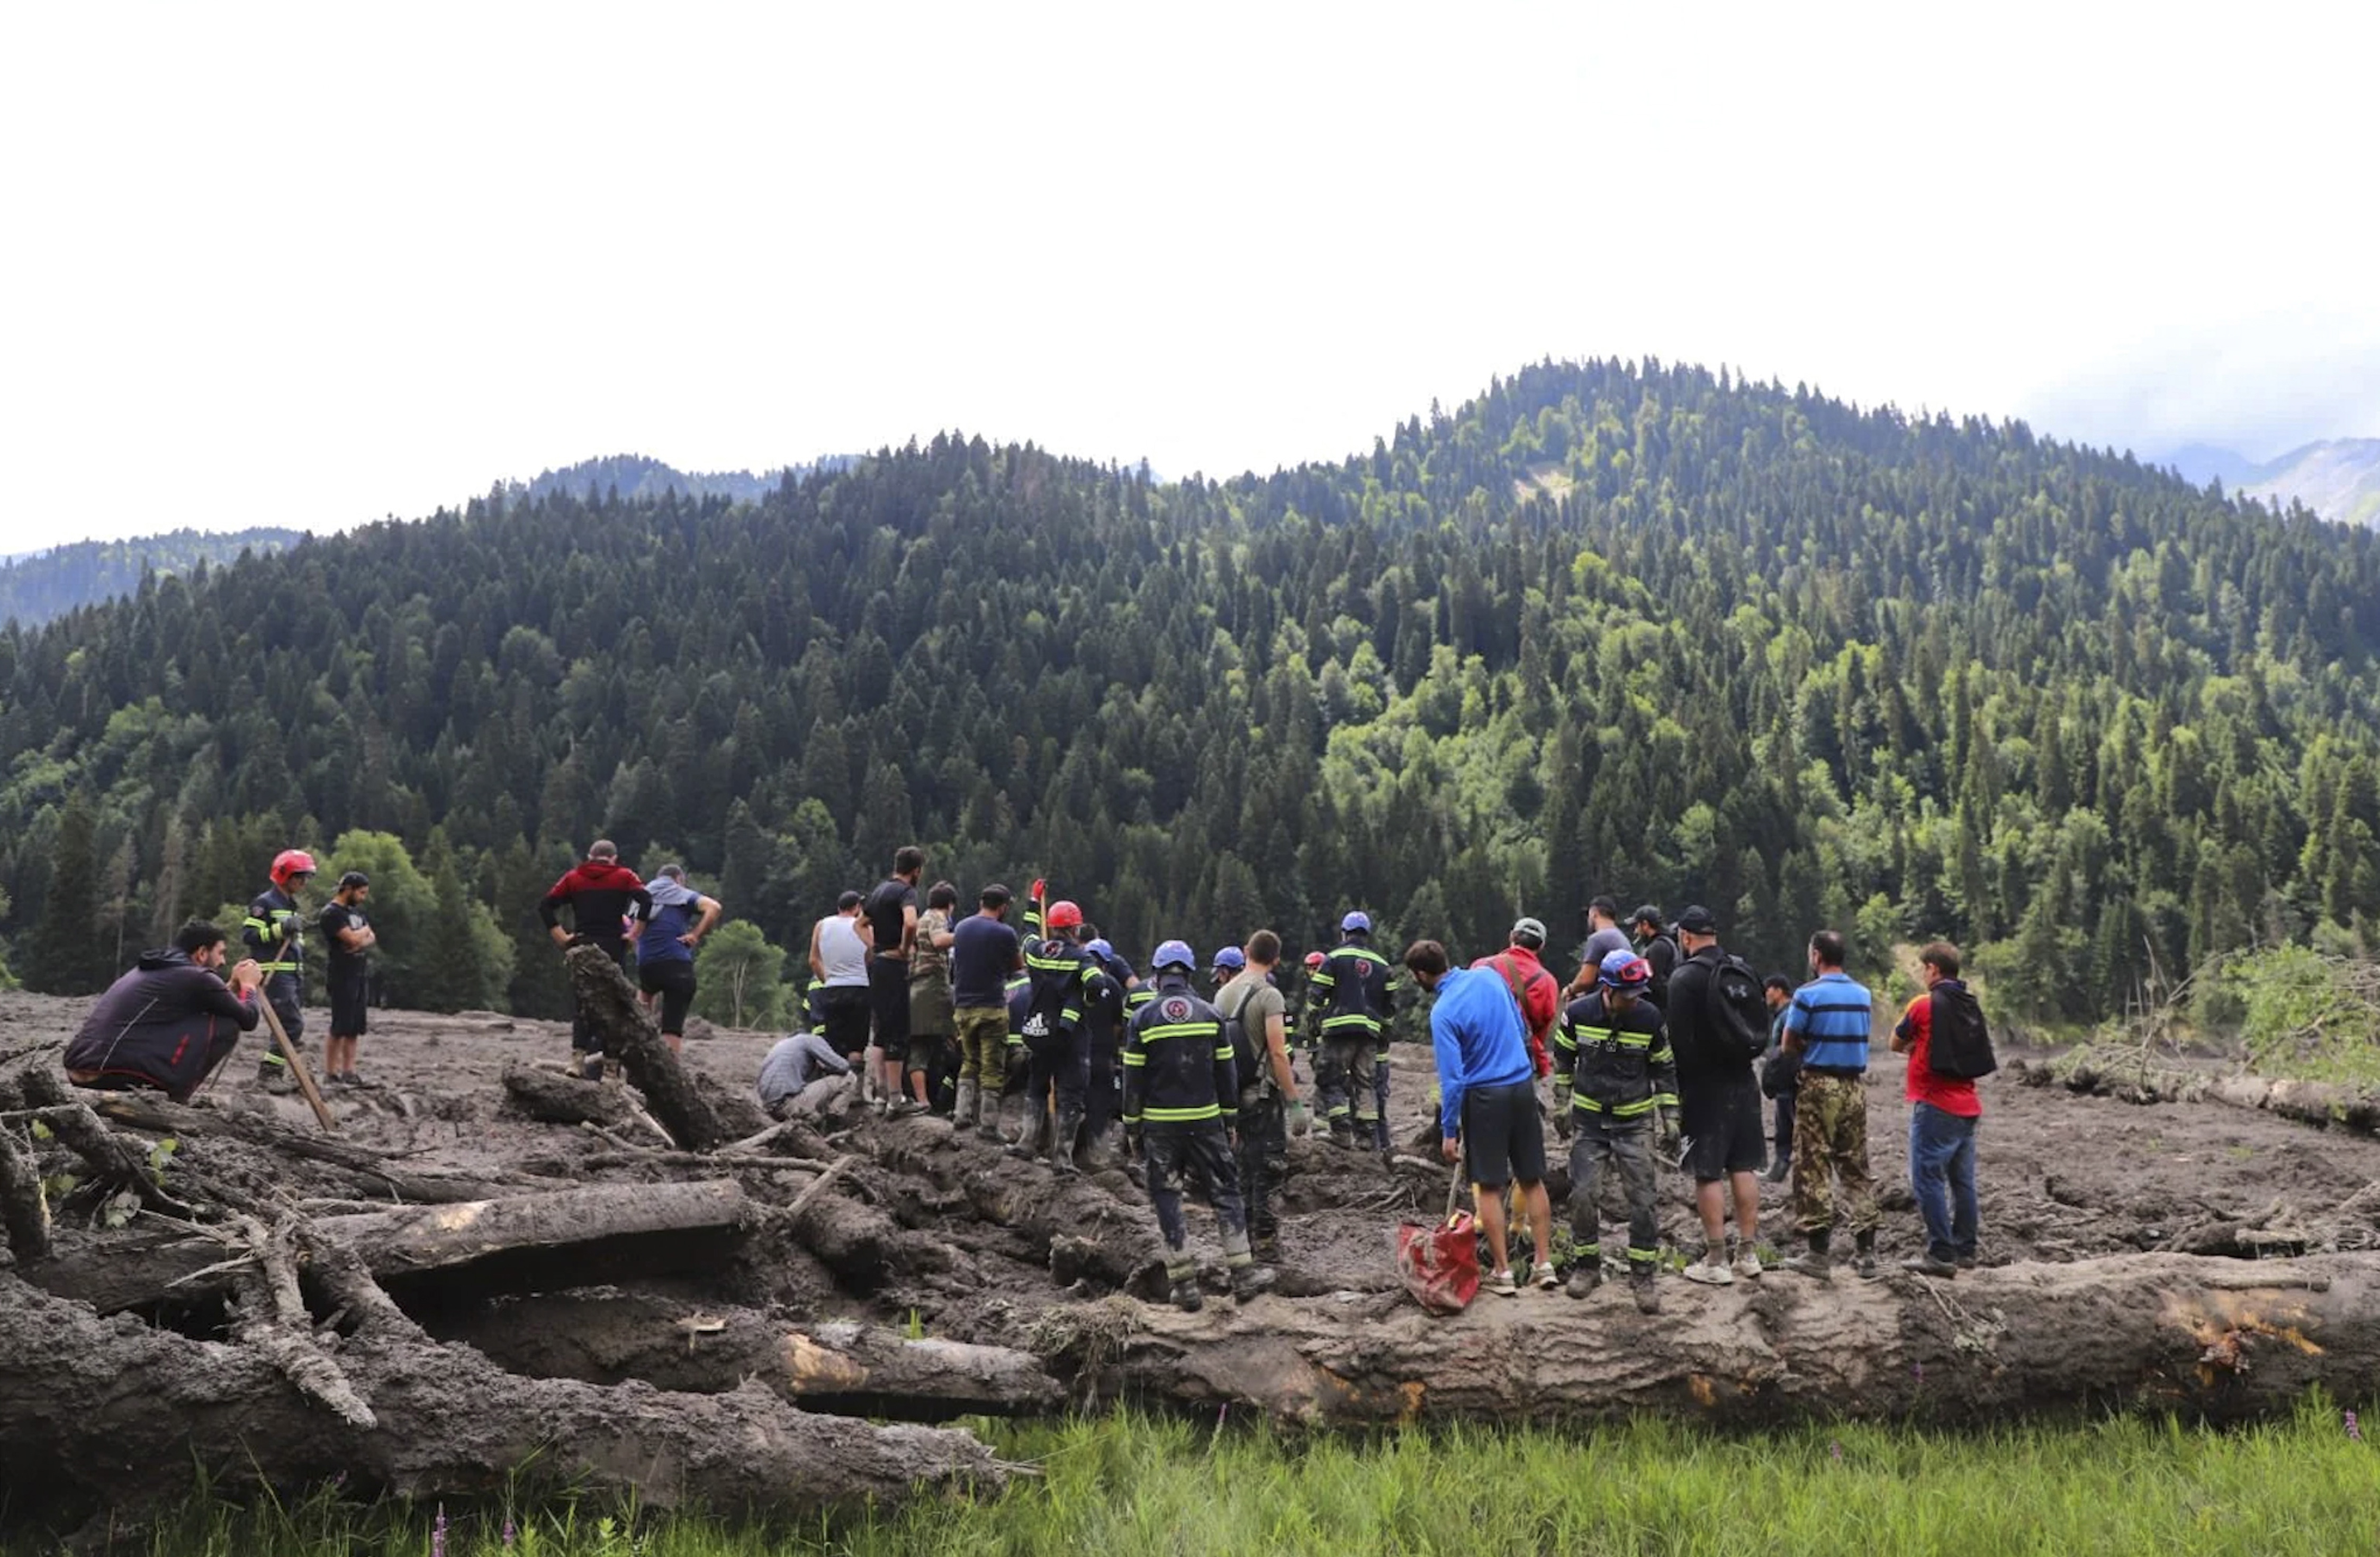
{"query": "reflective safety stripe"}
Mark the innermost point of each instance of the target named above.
(1633, 1110)
(1071, 1013)
(1182, 1115)
(1224, 1052)
(1183, 1030)
(1642, 1256)
(280, 967)
(1613, 1035)
(1134, 1057)
(1052, 964)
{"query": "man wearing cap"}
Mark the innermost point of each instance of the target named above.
(1536, 990)
(1725, 1143)
(349, 937)
(1657, 946)
(984, 952)
(1350, 998)
(682, 916)
(1181, 1097)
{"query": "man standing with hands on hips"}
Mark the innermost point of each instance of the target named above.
(1487, 1114)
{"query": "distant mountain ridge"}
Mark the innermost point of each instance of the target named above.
(42, 586)
(638, 478)
(2336, 478)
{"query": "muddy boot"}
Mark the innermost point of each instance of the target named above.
(1863, 1245)
(1588, 1274)
(1817, 1262)
(1266, 1248)
(1342, 1134)
(1062, 1151)
(1182, 1289)
(591, 1069)
(612, 1072)
(963, 1111)
(1380, 1141)
(1249, 1281)
(987, 1126)
(1779, 1169)
(1641, 1287)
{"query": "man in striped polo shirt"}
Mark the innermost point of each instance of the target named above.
(1827, 1025)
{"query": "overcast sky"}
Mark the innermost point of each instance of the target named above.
(317, 264)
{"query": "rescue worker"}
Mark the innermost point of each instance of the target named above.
(1105, 1015)
(170, 1021)
(1067, 985)
(275, 932)
(605, 898)
(1271, 1110)
(1229, 964)
(1615, 1092)
(1349, 999)
(347, 936)
(1180, 1098)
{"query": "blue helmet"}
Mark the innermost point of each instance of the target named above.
(1625, 971)
(1175, 954)
(1099, 948)
(1357, 922)
(1232, 957)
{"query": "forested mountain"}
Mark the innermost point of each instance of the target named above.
(636, 478)
(50, 583)
(1636, 628)
(2336, 478)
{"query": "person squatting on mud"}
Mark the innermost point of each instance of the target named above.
(1827, 1025)
(792, 1065)
(1181, 1097)
(170, 1021)
(1353, 994)
(1615, 1095)
(1271, 1110)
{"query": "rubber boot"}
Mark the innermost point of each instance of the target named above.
(1817, 1262)
(1342, 1134)
(1027, 1144)
(1250, 1281)
(1182, 1290)
(1586, 1273)
(963, 1111)
(1641, 1287)
(1062, 1151)
(987, 1125)
(1864, 1246)
(1780, 1169)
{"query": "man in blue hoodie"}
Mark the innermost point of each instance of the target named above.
(682, 916)
(1488, 1103)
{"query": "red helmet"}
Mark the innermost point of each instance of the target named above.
(1314, 960)
(1063, 915)
(290, 865)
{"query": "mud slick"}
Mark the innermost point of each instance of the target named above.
(647, 1288)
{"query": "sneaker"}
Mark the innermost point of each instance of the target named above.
(1927, 1265)
(1648, 1295)
(1584, 1277)
(906, 1108)
(1544, 1279)
(1965, 1262)
(1747, 1265)
(1711, 1270)
(336, 1079)
(1503, 1284)
(357, 1078)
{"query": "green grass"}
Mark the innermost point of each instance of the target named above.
(1119, 1487)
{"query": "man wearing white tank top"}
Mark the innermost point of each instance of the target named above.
(839, 958)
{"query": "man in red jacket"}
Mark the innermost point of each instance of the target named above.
(1537, 990)
(606, 900)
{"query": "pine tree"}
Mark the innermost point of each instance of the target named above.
(67, 956)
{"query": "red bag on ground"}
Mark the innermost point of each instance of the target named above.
(1440, 1265)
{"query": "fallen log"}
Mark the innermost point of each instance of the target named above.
(629, 1035)
(24, 1209)
(1087, 1234)
(551, 1098)
(2217, 1339)
(111, 1414)
(2138, 1075)
(569, 1238)
(834, 1366)
(372, 1169)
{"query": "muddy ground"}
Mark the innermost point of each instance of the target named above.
(2063, 1176)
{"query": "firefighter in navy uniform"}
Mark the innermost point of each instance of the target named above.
(1615, 1099)
(275, 932)
(1180, 1098)
(1351, 998)
(1104, 1088)
(1067, 984)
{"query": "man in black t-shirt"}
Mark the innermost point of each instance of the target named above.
(350, 937)
(892, 915)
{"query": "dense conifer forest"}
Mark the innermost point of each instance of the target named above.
(1627, 627)
(37, 587)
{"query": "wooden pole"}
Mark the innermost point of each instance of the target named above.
(298, 1065)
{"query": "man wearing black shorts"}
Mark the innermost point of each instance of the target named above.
(892, 915)
(1726, 1144)
(350, 936)
(1487, 1104)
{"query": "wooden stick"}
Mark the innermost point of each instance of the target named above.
(298, 1065)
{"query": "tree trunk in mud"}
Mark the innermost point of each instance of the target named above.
(373, 1173)
(108, 1414)
(551, 1098)
(569, 1238)
(2219, 1338)
(835, 1366)
(629, 1036)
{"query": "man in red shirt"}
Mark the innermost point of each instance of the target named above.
(1537, 990)
(1942, 1115)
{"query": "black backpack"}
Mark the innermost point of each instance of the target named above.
(1735, 1012)
(1958, 1046)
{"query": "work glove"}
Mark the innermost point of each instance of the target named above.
(1665, 1129)
(1301, 1118)
(1562, 1122)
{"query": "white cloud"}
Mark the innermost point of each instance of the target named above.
(312, 265)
